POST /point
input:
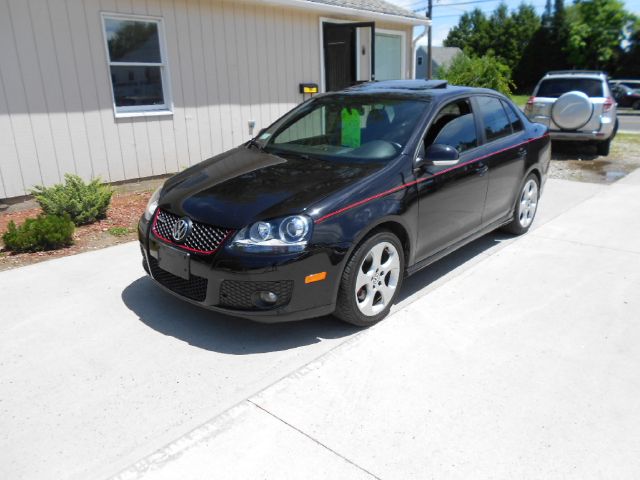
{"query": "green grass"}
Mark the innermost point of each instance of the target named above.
(119, 231)
(633, 138)
(520, 100)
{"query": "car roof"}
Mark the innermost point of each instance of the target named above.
(414, 88)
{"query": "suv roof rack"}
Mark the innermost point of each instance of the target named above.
(576, 72)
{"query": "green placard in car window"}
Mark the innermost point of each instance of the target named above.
(350, 128)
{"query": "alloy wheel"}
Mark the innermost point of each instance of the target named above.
(528, 203)
(377, 278)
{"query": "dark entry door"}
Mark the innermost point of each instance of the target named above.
(341, 53)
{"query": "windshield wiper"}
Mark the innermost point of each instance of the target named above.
(292, 154)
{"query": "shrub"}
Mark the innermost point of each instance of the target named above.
(484, 72)
(83, 203)
(46, 232)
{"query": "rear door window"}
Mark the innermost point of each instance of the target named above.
(494, 118)
(514, 119)
(555, 87)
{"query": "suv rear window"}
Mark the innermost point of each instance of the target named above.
(554, 87)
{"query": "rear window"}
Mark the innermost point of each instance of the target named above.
(555, 87)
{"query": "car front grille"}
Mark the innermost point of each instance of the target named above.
(243, 295)
(195, 288)
(203, 238)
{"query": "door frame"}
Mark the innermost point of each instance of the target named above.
(322, 21)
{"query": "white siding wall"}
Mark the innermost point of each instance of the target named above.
(229, 62)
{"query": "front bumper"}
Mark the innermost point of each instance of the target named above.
(224, 282)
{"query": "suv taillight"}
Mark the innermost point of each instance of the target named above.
(529, 106)
(608, 104)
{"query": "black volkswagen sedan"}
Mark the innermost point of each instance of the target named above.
(328, 209)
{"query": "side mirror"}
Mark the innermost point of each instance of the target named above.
(441, 155)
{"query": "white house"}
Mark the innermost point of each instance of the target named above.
(125, 89)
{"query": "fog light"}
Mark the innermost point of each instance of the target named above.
(268, 298)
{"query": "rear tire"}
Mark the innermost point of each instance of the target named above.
(603, 148)
(526, 206)
(371, 280)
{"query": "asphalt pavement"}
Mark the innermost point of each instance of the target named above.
(629, 121)
(511, 358)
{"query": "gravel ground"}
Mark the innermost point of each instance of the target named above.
(580, 162)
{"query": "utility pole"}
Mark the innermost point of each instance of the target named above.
(429, 67)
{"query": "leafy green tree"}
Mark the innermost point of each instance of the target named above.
(512, 32)
(597, 28)
(629, 65)
(546, 49)
(485, 72)
(472, 34)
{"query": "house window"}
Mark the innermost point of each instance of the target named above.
(137, 63)
(420, 60)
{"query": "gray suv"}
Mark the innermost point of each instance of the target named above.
(575, 105)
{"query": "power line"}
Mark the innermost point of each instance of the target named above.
(454, 4)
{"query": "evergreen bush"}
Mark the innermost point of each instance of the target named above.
(83, 203)
(46, 232)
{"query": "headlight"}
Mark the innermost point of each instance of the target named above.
(283, 235)
(153, 204)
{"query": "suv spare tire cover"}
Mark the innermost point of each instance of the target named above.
(572, 110)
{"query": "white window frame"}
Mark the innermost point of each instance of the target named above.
(140, 110)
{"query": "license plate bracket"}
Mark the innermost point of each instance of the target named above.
(174, 261)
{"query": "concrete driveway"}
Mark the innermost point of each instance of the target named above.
(512, 358)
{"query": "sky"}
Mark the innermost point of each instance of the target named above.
(447, 13)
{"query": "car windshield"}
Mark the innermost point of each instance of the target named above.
(346, 127)
(555, 87)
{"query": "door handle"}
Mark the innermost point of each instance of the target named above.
(522, 152)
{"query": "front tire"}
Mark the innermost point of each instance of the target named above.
(371, 280)
(526, 206)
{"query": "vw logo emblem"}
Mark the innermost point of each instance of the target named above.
(181, 229)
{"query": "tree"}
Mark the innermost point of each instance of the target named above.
(629, 64)
(596, 31)
(546, 49)
(471, 34)
(511, 33)
(504, 35)
(485, 72)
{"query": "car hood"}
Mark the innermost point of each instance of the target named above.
(244, 185)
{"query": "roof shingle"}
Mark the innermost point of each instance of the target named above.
(378, 6)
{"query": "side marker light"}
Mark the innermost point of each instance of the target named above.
(315, 277)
